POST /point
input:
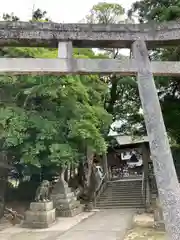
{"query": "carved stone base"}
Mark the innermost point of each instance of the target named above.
(65, 201)
(69, 212)
(89, 207)
(40, 215)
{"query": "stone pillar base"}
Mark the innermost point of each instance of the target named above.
(40, 215)
(158, 217)
(70, 212)
(89, 207)
(159, 225)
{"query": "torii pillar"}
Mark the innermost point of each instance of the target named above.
(165, 173)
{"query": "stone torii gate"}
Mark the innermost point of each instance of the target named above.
(139, 38)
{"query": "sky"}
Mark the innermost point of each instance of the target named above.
(62, 11)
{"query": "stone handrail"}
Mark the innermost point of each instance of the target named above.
(88, 35)
(142, 186)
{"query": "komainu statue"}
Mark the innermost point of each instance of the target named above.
(43, 192)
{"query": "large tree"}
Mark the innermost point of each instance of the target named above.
(168, 87)
(49, 120)
(123, 99)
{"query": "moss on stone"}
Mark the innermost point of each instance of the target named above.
(144, 234)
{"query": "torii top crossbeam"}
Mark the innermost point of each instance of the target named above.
(26, 34)
(36, 34)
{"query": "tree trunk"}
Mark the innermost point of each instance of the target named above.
(3, 184)
(66, 174)
(113, 94)
(81, 174)
(90, 158)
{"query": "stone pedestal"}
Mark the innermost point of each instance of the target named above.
(158, 217)
(40, 215)
(65, 201)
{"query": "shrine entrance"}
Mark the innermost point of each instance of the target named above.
(139, 38)
(125, 161)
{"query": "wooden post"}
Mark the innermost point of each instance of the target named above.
(166, 178)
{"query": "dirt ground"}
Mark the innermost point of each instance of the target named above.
(19, 207)
(145, 234)
(144, 229)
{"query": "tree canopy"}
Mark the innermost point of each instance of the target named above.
(48, 119)
(123, 98)
(52, 120)
(168, 87)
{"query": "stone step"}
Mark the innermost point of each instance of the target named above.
(121, 194)
(120, 181)
(119, 207)
(125, 183)
(133, 196)
(124, 188)
(125, 192)
(122, 184)
(120, 200)
(120, 203)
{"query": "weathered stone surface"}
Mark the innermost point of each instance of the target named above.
(16, 66)
(88, 35)
(71, 212)
(65, 50)
(166, 178)
(158, 216)
(143, 220)
(40, 206)
(64, 200)
(40, 215)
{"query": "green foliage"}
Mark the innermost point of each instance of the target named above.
(50, 120)
(168, 87)
(49, 117)
(105, 13)
(148, 10)
(122, 100)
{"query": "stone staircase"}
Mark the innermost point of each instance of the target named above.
(121, 194)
